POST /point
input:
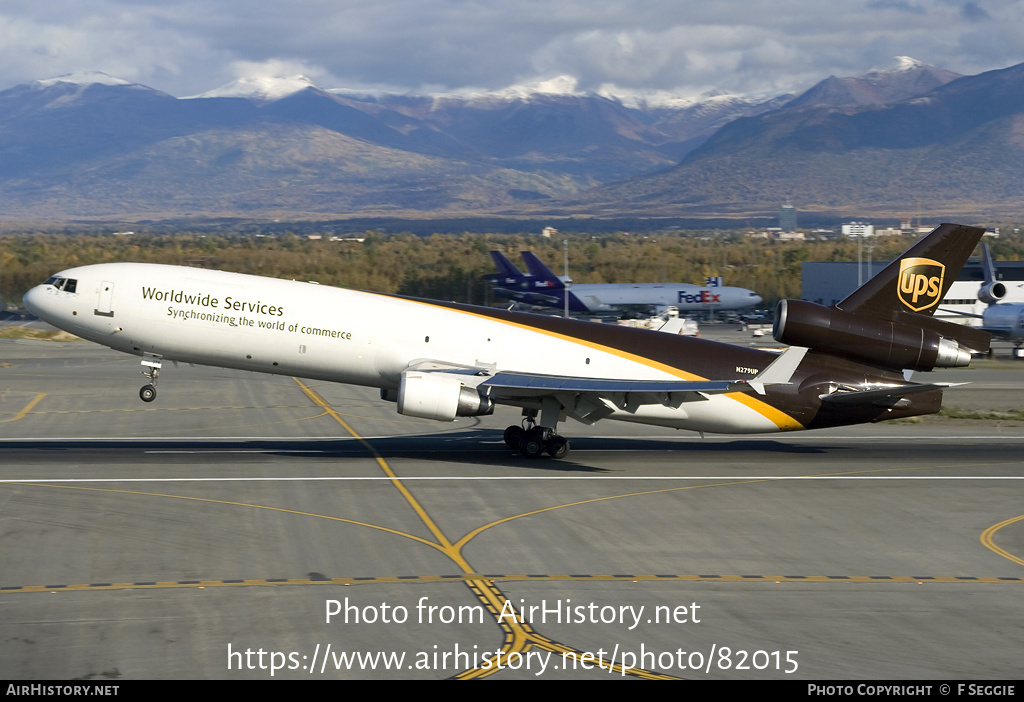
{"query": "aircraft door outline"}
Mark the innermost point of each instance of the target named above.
(104, 303)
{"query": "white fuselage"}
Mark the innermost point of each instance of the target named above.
(687, 297)
(1006, 320)
(295, 328)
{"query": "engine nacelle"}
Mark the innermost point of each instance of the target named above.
(880, 342)
(439, 396)
(991, 293)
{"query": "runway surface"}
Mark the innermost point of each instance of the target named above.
(242, 513)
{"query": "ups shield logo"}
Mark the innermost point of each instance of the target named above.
(920, 283)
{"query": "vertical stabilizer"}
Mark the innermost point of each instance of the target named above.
(991, 290)
(507, 274)
(918, 280)
(541, 272)
(888, 321)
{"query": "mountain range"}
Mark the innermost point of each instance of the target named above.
(956, 150)
(93, 146)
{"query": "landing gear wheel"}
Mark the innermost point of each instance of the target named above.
(532, 443)
(513, 436)
(557, 447)
(151, 363)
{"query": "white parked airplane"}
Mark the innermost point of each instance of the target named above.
(1004, 320)
(442, 360)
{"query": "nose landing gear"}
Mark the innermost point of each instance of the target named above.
(152, 363)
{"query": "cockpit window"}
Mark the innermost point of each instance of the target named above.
(68, 285)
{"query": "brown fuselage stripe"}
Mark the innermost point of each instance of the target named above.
(661, 352)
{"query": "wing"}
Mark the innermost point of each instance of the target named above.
(591, 399)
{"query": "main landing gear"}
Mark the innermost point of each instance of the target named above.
(152, 364)
(532, 440)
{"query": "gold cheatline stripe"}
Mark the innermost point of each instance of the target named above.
(777, 416)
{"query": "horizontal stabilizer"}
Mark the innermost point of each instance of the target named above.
(881, 396)
(530, 298)
(958, 313)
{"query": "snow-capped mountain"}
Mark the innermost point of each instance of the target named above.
(906, 79)
(260, 88)
(95, 144)
(85, 78)
(953, 150)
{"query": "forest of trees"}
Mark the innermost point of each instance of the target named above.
(451, 266)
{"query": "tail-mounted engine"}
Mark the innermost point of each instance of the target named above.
(440, 396)
(922, 343)
(991, 293)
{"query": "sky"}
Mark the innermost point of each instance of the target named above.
(681, 47)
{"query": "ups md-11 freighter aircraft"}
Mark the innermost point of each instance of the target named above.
(846, 364)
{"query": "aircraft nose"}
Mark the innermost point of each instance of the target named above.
(36, 300)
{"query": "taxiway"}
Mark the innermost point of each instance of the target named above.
(179, 539)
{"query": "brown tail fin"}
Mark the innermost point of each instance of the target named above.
(916, 281)
(910, 288)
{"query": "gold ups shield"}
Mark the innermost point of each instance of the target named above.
(920, 283)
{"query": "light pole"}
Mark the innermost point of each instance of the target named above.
(565, 289)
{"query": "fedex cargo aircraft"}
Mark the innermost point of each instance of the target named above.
(541, 287)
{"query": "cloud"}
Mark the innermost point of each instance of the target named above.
(130, 45)
(188, 47)
(973, 12)
(275, 68)
(900, 5)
